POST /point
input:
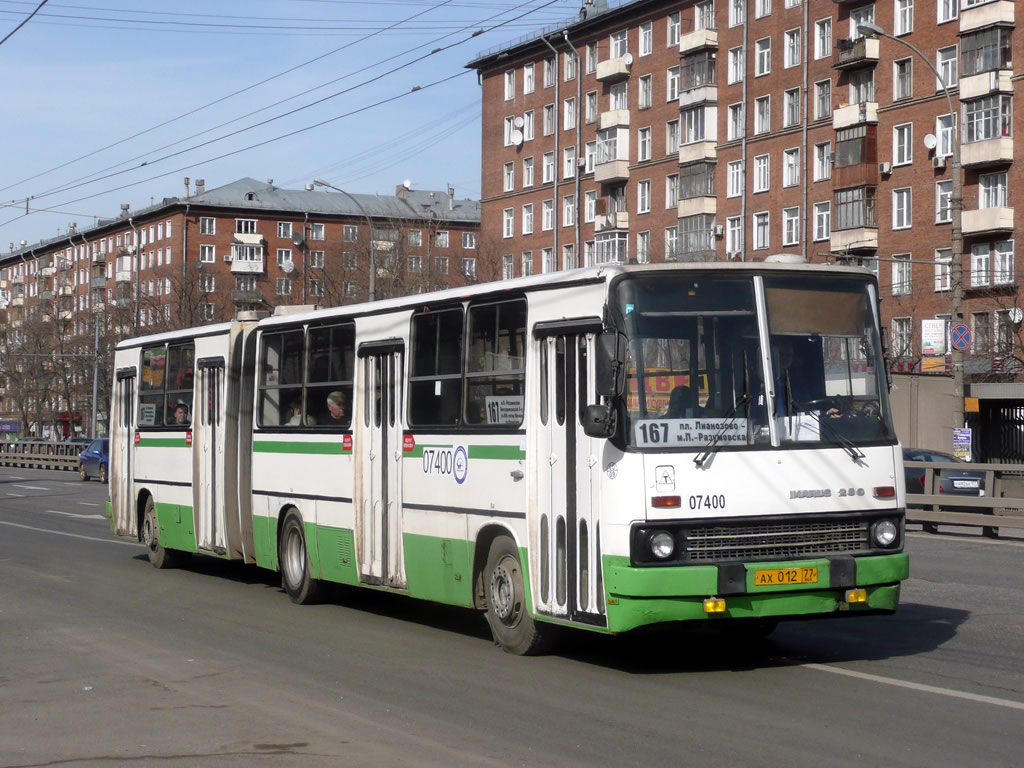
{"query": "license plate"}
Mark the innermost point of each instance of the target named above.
(965, 483)
(776, 577)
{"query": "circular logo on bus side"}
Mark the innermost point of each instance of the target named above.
(460, 465)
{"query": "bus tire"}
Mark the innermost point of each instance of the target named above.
(511, 624)
(159, 557)
(296, 580)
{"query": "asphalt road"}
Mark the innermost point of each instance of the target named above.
(105, 661)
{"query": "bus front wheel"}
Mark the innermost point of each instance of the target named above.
(295, 567)
(511, 624)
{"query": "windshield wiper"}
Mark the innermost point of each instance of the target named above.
(730, 417)
(824, 426)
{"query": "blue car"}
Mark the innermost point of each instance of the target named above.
(95, 460)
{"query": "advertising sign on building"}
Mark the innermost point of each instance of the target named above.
(933, 337)
(962, 444)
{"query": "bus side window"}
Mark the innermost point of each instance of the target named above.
(435, 377)
(495, 364)
(151, 387)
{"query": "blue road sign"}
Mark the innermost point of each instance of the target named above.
(960, 337)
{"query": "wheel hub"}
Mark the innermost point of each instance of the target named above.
(503, 593)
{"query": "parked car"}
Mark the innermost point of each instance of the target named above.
(95, 460)
(954, 482)
(82, 441)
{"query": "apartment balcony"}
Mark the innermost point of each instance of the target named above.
(66, 290)
(123, 277)
(851, 54)
(606, 222)
(986, 83)
(45, 296)
(48, 271)
(988, 152)
(18, 280)
(247, 267)
(855, 114)
(18, 301)
(66, 315)
(854, 239)
(611, 171)
(999, 12)
(984, 221)
(701, 38)
(699, 95)
(99, 258)
(98, 282)
(239, 296)
(613, 118)
(696, 206)
(613, 70)
(696, 152)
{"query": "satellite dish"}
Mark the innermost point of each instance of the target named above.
(517, 137)
(929, 141)
(287, 267)
(628, 59)
(407, 184)
(519, 122)
(297, 239)
(1016, 315)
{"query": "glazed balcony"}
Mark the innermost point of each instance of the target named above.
(986, 15)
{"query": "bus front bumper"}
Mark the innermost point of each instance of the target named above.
(641, 596)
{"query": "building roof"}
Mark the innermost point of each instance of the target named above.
(263, 196)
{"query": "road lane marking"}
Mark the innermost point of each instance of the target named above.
(918, 686)
(16, 495)
(88, 504)
(72, 514)
(72, 535)
(30, 487)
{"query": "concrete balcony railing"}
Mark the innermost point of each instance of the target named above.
(66, 290)
(605, 222)
(986, 83)
(988, 152)
(98, 282)
(985, 15)
(855, 114)
(698, 39)
(613, 118)
(99, 258)
(851, 54)
(983, 221)
(699, 95)
(696, 206)
(123, 277)
(612, 171)
(241, 296)
(613, 70)
(247, 267)
(697, 151)
(854, 239)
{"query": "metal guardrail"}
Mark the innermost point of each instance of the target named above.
(40, 454)
(994, 510)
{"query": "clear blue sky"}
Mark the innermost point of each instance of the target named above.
(85, 74)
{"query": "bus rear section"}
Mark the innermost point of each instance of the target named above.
(752, 468)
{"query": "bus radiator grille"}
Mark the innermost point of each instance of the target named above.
(776, 541)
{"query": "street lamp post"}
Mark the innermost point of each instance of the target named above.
(369, 223)
(956, 204)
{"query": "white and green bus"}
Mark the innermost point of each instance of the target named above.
(604, 448)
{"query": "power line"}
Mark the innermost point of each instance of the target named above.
(23, 22)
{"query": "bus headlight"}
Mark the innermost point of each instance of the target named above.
(884, 533)
(662, 545)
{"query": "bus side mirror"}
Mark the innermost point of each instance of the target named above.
(599, 421)
(610, 373)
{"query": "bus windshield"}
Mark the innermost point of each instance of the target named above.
(697, 373)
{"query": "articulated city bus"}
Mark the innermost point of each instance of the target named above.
(604, 448)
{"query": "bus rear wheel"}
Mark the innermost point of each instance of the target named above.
(301, 587)
(511, 624)
(159, 557)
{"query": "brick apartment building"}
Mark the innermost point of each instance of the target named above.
(199, 259)
(738, 129)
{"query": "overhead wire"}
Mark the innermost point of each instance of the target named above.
(24, 21)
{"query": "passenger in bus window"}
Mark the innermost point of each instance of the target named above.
(181, 415)
(296, 409)
(337, 404)
(682, 403)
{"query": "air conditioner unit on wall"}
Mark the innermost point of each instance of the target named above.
(939, 163)
(885, 168)
(719, 230)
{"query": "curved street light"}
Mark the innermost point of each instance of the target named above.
(369, 223)
(956, 205)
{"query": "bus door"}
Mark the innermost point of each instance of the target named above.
(381, 557)
(208, 455)
(122, 448)
(569, 467)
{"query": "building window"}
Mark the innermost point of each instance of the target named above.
(693, 120)
(207, 283)
(762, 8)
(415, 238)
(734, 179)
(901, 274)
(469, 269)
(549, 119)
(206, 312)
(528, 219)
(510, 177)
(762, 180)
(569, 61)
(763, 56)
(549, 72)
(508, 222)
(790, 226)
(981, 322)
(986, 50)
(547, 221)
(672, 137)
(284, 229)
(822, 220)
(862, 86)
(734, 127)
(671, 242)
(316, 288)
(944, 129)
(207, 225)
(992, 190)
(589, 205)
(528, 125)
(350, 233)
(791, 167)
(569, 114)
(672, 84)
(855, 208)
(611, 248)
(735, 65)
(943, 202)
(527, 171)
(823, 39)
(1005, 332)
(980, 260)
(284, 257)
(791, 107)
(591, 58)
(704, 18)
(510, 85)
(646, 38)
(947, 10)
(987, 118)
(207, 254)
(904, 17)
(643, 93)
(733, 235)
(902, 79)
(468, 241)
(589, 156)
(697, 180)
(548, 168)
(902, 144)
(508, 267)
(823, 99)
(762, 114)
(441, 239)
(851, 146)
(643, 196)
(349, 260)
(569, 162)
(528, 78)
(618, 44)
(791, 56)
(901, 208)
(945, 62)
(242, 227)
(643, 144)
(284, 286)
(617, 95)
(902, 336)
(672, 31)
(943, 269)
(672, 190)
(316, 259)
(863, 15)
(761, 230)
(823, 161)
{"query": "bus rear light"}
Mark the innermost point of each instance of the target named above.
(884, 492)
(714, 605)
(666, 501)
(856, 596)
